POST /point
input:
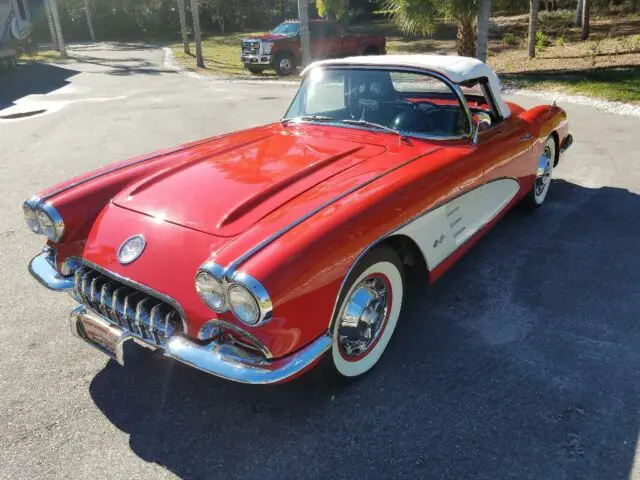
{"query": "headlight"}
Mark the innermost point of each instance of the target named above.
(211, 291)
(31, 217)
(243, 304)
(43, 218)
(265, 47)
(221, 290)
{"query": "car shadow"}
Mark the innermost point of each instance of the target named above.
(30, 79)
(522, 362)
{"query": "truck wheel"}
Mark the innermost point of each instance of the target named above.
(284, 64)
(371, 50)
(254, 69)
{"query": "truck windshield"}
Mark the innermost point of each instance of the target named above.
(414, 104)
(287, 28)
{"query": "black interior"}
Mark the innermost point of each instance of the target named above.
(372, 97)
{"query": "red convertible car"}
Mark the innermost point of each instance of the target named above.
(254, 255)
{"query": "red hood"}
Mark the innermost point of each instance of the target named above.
(224, 187)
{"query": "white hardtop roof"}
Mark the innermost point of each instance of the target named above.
(457, 69)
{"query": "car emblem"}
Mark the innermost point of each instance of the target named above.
(131, 249)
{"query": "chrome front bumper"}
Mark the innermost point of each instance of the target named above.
(220, 359)
(251, 59)
(43, 269)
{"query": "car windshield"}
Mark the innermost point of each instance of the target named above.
(287, 28)
(411, 103)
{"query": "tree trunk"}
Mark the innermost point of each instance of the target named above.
(579, 13)
(52, 27)
(585, 20)
(56, 23)
(195, 11)
(484, 13)
(87, 12)
(533, 26)
(466, 38)
(183, 27)
(303, 15)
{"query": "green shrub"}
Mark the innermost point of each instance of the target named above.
(542, 41)
(560, 41)
(510, 39)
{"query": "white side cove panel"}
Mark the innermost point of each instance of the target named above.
(443, 230)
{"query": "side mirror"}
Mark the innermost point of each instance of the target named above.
(481, 122)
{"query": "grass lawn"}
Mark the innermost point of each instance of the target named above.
(619, 84)
(568, 64)
(221, 56)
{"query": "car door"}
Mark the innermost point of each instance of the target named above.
(508, 148)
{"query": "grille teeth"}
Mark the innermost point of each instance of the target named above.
(143, 315)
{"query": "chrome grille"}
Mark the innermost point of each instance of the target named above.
(250, 47)
(138, 312)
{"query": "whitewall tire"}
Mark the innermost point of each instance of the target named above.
(544, 171)
(368, 313)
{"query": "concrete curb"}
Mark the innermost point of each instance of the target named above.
(170, 63)
(617, 108)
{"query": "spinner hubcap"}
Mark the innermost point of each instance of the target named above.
(364, 317)
(543, 175)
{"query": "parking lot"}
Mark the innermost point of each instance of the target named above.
(522, 362)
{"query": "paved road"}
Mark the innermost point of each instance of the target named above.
(523, 362)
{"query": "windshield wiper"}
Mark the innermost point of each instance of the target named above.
(373, 125)
(308, 118)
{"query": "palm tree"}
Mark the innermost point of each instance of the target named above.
(421, 16)
(56, 24)
(585, 20)
(303, 15)
(196, 32)
(484, 13)
(183, 27)
(52, 27)
(533, 26)
(87, 12)
(579, 13)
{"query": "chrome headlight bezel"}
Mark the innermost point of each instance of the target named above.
(203, 276)
(43, 218)
(254, 288)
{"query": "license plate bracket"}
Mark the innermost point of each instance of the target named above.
(100, 334)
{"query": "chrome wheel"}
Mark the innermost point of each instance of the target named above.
(368, 313)
(543, 174)
(364, 316)
(285, 65)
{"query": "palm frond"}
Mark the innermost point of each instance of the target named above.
(414, 16)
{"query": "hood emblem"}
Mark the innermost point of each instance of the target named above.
(131, 249)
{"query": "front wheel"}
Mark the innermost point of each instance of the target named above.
(284, 64)
(546, 161)
(368, 312)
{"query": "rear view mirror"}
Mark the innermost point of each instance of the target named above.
(481, 122)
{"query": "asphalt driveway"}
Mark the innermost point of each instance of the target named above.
(522, 362)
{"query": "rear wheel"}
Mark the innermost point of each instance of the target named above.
(284, 64)
(369, 309)
(371, 50)
(538, 193)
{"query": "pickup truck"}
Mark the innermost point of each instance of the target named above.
(280, 49)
